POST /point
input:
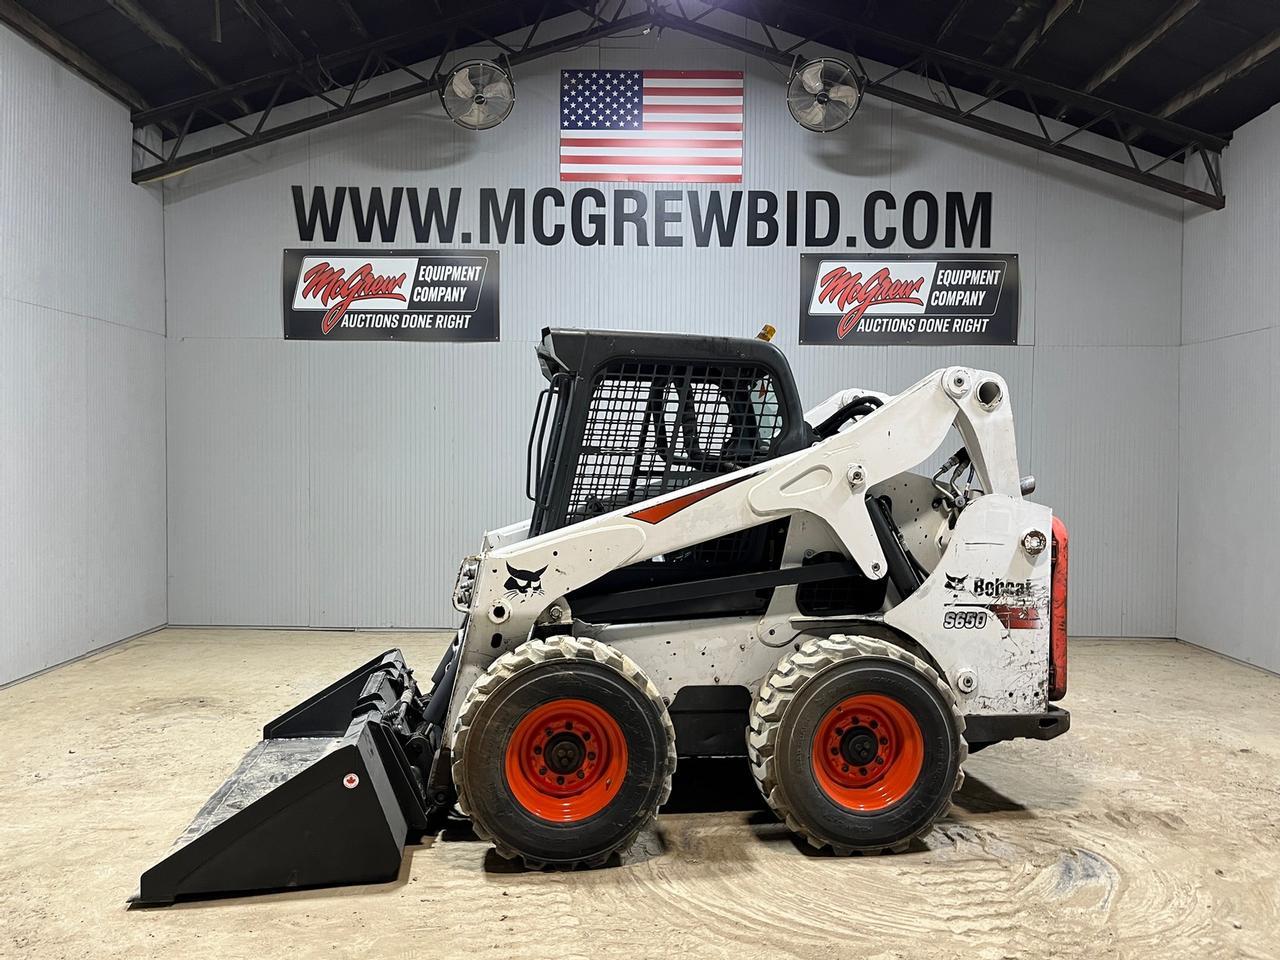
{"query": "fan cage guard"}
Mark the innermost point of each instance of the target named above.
(858, 83)
(466, 64)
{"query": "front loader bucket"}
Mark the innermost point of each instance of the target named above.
(328, 797)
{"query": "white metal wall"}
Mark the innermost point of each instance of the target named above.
(338, 484)
(1229, 521)
(82, 459)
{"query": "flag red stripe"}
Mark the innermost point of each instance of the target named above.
(694, 74)
(693, 91)
(653, 161)
(566, 175)
(645, 142)
(693, 108)
(677, 126)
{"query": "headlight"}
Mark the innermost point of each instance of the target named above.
(465, 584)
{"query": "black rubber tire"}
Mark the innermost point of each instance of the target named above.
(791, 703)
(533, 673)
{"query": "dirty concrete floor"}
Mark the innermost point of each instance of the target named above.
(1150, 830)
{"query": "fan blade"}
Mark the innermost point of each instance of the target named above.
(461, 84)
(837, 116)
(811, 77)
(846, 95)
(812, 117)
(499, 89)
(474, 117)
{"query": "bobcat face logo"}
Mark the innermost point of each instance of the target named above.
(956, 583)
(523, 583)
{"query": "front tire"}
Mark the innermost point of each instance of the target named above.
(856, 744)
(562, 753)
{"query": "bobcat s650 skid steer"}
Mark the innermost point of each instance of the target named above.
(708, 571)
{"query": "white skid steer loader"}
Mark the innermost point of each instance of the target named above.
(708, 571)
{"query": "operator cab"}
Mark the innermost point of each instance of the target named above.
(626, 417)
(630, 416)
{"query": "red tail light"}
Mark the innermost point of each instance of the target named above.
(1058, 613)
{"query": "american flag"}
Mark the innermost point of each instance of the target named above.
(654, 125)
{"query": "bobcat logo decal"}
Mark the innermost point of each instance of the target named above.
(523, 583)
(953, 583)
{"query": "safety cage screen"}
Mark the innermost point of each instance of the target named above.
(652, 427)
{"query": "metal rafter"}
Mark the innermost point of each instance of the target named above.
(32, 27)
(936, 66)
(925, 61)
(1032, 41)
(345, 101)
(1037, 35)
(1126, 56)
(326, 65)
(950, 22)
(1215, 81)
(281, 46)
(158, 33)
(353, 18)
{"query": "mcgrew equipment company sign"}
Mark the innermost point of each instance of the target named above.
(390, 294)
(909, 298)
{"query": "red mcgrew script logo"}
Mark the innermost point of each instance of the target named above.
(333, 288)
(854, 295)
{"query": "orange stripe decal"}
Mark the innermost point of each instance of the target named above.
(660, 511)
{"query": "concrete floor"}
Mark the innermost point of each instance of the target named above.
(1150, 830)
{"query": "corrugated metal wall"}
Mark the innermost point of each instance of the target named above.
(82, 439)
(1229, 523)
(338, 484)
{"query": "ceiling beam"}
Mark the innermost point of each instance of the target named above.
(1037, 35)
(287, 18)
(353, 18)
(884, 89)
(1215, 81)
(157, 32)
(925, 61)
(53, 43)
(841, 26)
(328, 63)
(949, 23)
(282, 47)
(1170, 20)
(356, 107)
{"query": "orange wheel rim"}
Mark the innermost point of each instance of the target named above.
(566, 760)
(868, 752)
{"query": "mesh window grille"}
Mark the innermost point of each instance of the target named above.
(654, 427)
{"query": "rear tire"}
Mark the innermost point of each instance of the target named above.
(562, 753)
(856, 744)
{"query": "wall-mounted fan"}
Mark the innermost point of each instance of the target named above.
(823, 95)
(478, 95)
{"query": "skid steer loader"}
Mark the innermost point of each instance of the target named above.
(708, 571)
